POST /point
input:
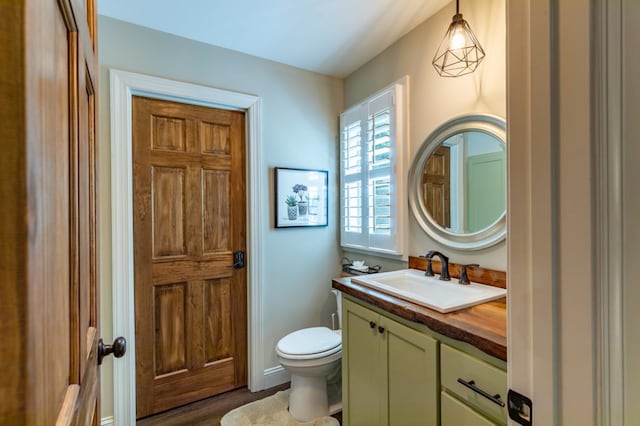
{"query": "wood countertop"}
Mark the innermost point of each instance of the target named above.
(483, 326)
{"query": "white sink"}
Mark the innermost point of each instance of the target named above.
(443, 296)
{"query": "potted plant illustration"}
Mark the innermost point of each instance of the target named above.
(292, 206)
(303, 203)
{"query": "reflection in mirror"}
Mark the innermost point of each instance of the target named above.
(458, 182)
(464, 182)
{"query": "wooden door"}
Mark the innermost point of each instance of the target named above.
(48, 278)
(436, 184)
(189, 218)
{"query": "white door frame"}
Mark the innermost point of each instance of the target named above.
(124, 85)
(534, 346)
(610, 252)
(530, 211)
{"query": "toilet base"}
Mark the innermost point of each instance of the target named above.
(308, 397)
(312, 397)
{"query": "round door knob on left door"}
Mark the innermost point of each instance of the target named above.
(118, 349)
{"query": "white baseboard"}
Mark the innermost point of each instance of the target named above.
(275, 376)
(106, 421)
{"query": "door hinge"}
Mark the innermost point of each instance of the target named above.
(520, 408)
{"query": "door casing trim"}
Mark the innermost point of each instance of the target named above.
(609, 115)
(124, 85)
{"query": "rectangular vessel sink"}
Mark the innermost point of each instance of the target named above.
(443, 296)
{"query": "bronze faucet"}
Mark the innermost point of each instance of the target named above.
(444, 273)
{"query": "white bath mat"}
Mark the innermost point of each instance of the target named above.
(270, 411)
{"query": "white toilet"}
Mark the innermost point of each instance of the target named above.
(313, 356)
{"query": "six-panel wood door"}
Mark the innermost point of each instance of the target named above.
(48, 278)
(189, 218)
(436, 184)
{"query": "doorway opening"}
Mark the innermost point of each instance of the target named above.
(124, 85)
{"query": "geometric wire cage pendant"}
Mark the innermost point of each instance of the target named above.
(459, 52)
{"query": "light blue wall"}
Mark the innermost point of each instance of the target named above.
(299, 129)
(434, 100)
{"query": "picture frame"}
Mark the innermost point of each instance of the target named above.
(301, 197)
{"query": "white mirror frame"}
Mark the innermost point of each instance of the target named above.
(494, 233)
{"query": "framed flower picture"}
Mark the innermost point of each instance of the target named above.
(301, 197)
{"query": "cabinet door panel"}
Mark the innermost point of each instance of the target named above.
(362, 378)
(411, 358)
(455, 413)
(456, 364)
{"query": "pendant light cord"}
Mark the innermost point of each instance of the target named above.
(457, 7)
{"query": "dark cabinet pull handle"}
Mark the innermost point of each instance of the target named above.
(471, 384)
(118, 349)
(381, 329)
(372, 324)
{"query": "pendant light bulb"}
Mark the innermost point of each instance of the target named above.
(458, 39)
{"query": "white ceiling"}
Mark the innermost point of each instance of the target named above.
(333, 37)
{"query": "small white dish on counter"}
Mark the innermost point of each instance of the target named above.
(364, 268)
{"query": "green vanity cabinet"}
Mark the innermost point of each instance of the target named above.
(390, 371)
(399, 373)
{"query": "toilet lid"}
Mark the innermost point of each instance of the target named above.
(309, 341)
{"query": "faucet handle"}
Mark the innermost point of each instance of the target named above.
(464, 278)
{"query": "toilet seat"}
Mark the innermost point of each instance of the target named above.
(309, 343)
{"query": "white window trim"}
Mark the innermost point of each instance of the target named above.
(400, 93)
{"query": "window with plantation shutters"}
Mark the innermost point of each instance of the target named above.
(372, 202)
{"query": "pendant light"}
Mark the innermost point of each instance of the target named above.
(460, 52)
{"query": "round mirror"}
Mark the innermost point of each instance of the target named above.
(458, 182)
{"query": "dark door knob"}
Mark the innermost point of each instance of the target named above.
(118, 349)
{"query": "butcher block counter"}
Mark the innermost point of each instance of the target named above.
(482, 326)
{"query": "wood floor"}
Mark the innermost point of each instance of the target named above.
(209, 411)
